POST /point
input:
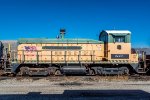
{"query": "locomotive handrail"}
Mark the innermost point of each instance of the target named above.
(24, 54)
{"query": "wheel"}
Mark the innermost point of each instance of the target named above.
(57, 72)
(51, 70)
(100, 71)
(24, 71)
(92, 72)
(125, 70)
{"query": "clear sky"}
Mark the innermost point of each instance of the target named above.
(80, 18)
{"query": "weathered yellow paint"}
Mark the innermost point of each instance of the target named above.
(134, 58)
(88, 52)
(125, 49)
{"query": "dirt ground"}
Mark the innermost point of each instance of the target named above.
(72, 88)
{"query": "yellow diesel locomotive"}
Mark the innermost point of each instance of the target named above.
(111, 54)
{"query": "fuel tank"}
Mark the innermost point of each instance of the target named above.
(74, 69)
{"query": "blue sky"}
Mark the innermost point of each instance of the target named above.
(80, 18)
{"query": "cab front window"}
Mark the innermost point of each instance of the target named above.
(119, 39)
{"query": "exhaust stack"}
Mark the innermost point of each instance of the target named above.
(62, 33)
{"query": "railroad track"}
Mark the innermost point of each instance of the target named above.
(68, 78)
(79, 78)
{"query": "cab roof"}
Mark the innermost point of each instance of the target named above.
(117, 31)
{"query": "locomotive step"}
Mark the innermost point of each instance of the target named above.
(8, 68)
(142, 72)
(7, 72)
(140, 69)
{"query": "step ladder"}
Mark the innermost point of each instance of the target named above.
(141, 71)
(8, 68)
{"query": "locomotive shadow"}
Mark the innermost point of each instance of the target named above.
(81, 94)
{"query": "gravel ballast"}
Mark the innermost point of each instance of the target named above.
(48, 89)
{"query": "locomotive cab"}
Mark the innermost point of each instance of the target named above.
(117, 45)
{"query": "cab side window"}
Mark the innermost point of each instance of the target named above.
(119, 39)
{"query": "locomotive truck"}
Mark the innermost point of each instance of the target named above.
(111, 54)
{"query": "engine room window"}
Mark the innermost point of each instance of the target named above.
(119, 39)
